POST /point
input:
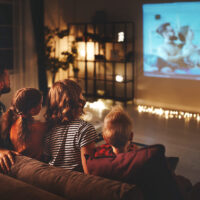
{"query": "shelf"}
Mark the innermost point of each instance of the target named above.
(105, 61)
(122, 99)
(102, 79)
(97, 76)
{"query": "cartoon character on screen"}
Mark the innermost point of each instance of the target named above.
(168, 57)
(190, 51)
(169, 50)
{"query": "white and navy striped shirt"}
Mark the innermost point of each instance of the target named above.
(64, 142)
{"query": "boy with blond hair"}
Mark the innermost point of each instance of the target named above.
(120, 160)
(117, 130)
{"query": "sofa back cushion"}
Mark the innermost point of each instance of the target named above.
(145, 167)
(71, 184)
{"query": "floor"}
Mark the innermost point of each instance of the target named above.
(180, 138)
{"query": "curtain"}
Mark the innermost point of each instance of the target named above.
(25, 70)
(37, 12)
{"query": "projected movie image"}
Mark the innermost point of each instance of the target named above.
(171, 40)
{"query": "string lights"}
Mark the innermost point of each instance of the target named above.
(168, 114)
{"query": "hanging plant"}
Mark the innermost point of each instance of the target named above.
(52, 62)
(70, 57)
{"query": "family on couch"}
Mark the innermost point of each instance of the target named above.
(69, 137)
(67, 141)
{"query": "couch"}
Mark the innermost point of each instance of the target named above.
(32, 179)
(11, 188)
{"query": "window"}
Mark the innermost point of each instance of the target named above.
(6, 34)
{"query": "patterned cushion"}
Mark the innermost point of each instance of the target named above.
(105, 150)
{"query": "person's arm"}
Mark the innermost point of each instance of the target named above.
(87, 150)
(87, 137)
(7, 159)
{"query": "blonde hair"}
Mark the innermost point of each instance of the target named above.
(117, 127)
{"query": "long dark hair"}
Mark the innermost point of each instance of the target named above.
(23, 101)
(63, 102)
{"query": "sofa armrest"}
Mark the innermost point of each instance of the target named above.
(11, 188)
(71, 184)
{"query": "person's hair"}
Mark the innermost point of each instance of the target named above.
(162, 28)
(63, 102)
(183, 33)
(23, 101)
(117, 127)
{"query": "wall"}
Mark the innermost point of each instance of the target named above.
(83, 11)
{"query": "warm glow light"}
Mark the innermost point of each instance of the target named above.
(121, 37)
(119, 78)
(82, 50)
(98, 106)
(90, 50)
(101, 92)
(168, 113)
(63, 46)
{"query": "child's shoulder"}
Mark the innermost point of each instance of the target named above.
(132, 147)
(83, 123)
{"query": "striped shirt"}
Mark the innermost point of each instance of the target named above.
(64, 142)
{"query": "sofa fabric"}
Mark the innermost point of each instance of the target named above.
(71, 184)
(11, 188)
(146, 167)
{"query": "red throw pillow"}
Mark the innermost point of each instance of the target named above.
(146, 167)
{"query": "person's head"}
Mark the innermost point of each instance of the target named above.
(4, 81)
(166, 31)
(185, 33)
(27, 102)
(117, 129)
(65, 101)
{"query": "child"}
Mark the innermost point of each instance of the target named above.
(145, 167)
(69, 137)
(117, 130)
(117, 133)
(19, 131)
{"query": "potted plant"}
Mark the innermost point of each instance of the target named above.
(70, 59)
(54, 63)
